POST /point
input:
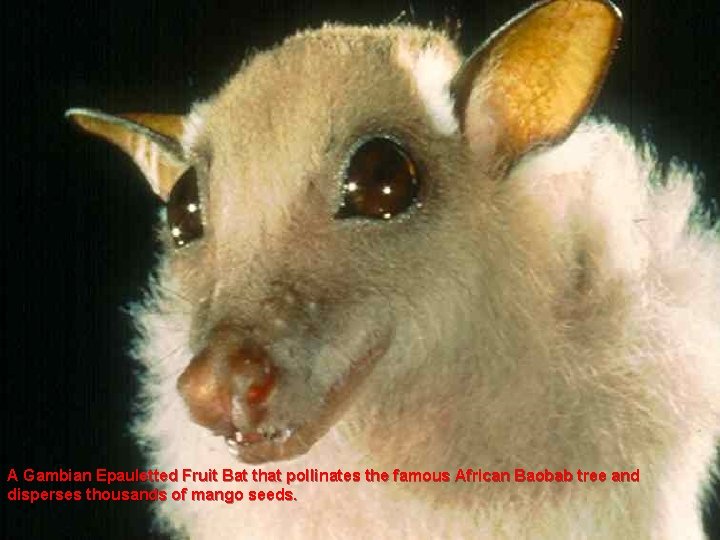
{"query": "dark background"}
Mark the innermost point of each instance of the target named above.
(76, 233)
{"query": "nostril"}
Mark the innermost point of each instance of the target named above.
(254, 372)
(258, 393)
(226, 385)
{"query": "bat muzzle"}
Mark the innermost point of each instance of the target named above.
(233, 385)
(227, 384)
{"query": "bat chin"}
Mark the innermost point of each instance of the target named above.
(282, 441)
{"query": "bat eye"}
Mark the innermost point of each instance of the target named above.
(380, 181)
(184, 217)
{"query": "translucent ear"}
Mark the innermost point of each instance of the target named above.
(532, 81)
(151, 140)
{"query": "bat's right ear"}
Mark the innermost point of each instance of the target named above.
(534, 79)
(151, 140)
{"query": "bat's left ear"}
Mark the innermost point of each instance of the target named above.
(151, 140)
(534, 79)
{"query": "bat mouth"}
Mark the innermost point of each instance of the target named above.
(274, 443)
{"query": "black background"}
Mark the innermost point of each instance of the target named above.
(76, 233)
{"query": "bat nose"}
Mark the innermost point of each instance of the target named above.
(226, 385)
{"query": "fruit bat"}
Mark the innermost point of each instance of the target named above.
(379, 254)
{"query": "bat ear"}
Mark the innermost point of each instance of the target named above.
(151, 140)
(532, 81)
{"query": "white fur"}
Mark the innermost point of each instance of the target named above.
(192, 127)
(432, 72)
(597, 182)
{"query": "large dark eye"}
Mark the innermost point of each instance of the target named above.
(380, 181)
(183, 210)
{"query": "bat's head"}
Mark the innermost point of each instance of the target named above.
(331, 214)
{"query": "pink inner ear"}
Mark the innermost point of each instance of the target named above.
(539, 74)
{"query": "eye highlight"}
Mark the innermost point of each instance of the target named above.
(380, 181)
(184, 216)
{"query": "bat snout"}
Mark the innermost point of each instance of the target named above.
(227, 385)
(264, 407)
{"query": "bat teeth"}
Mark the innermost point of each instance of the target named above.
(232, 445)
(276, 435)
(261, 434)
(267, 432)
(284, 434)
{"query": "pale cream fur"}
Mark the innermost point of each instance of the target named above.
(433, 72)
(563, 316)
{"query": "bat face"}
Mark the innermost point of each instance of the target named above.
(321, 193)
(328, 176)
(365, 232)
(311, 186)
